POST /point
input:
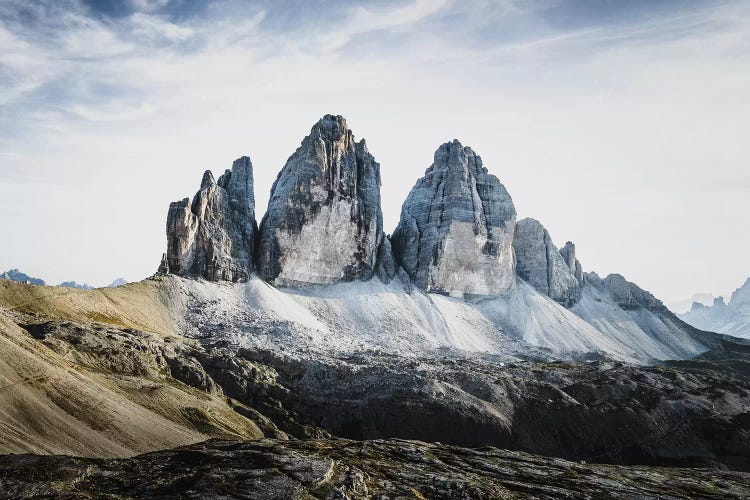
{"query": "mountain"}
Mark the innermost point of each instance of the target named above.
(324, 223)
(731, 318)
(464, 328)
(73, 284)
(683, 306)
(118, 282)
(457, 227)
(511, 290)
(16, 275)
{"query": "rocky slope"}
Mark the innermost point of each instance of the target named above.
(324, 223)
(456, 227)
(68, 388)
(214, 236)
(732, 318)
(352, 469)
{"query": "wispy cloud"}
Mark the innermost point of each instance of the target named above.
(101, 97)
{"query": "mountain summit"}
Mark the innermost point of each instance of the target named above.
(456, 229)
(324, 223)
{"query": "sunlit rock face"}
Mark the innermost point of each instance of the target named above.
(456, 229)
(541, 265)
(213, 237)
(324, 223)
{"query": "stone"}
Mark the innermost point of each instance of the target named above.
(456, 228)
(324, 222)
(542, 266)
(213, 237)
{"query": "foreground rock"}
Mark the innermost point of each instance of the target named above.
(339, 469)
(542, 266)
(456, 229)
(213, 236)
(324, 223)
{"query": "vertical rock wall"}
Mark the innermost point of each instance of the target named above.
(213, 237)
(456, 228)
(324, 223)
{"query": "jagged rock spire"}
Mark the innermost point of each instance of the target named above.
(456, 228)
(541, 265)
(324, 222)
(213, 236)
(569, 254)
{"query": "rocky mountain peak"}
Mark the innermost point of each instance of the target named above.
(324, 222)
(741, 296)
(541, 265)
(456, 228)
(628, 295)
(569, 255)
(213, 237)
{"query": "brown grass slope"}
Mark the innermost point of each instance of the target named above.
(58, 398)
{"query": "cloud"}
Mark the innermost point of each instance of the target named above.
(633, 111)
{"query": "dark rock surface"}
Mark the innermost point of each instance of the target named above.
(541, 265)
(456, 228)
(601, 411)
(340, 469)
(213, 237)
(324, 223)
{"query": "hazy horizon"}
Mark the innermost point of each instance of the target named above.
(618, 125)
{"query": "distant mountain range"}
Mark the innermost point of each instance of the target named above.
(21, 277)
(732, 318)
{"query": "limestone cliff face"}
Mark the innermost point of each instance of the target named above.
(456, 228)
(213, 237)
(540, 264)
(568, 253)
(324, 222)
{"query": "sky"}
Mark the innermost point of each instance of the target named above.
(621, 126)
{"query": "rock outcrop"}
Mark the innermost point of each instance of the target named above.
(541, 265)
(456, 228)
(213, 236)
(569, 255)
(324, 223)
(626, 295)
(343, 469)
